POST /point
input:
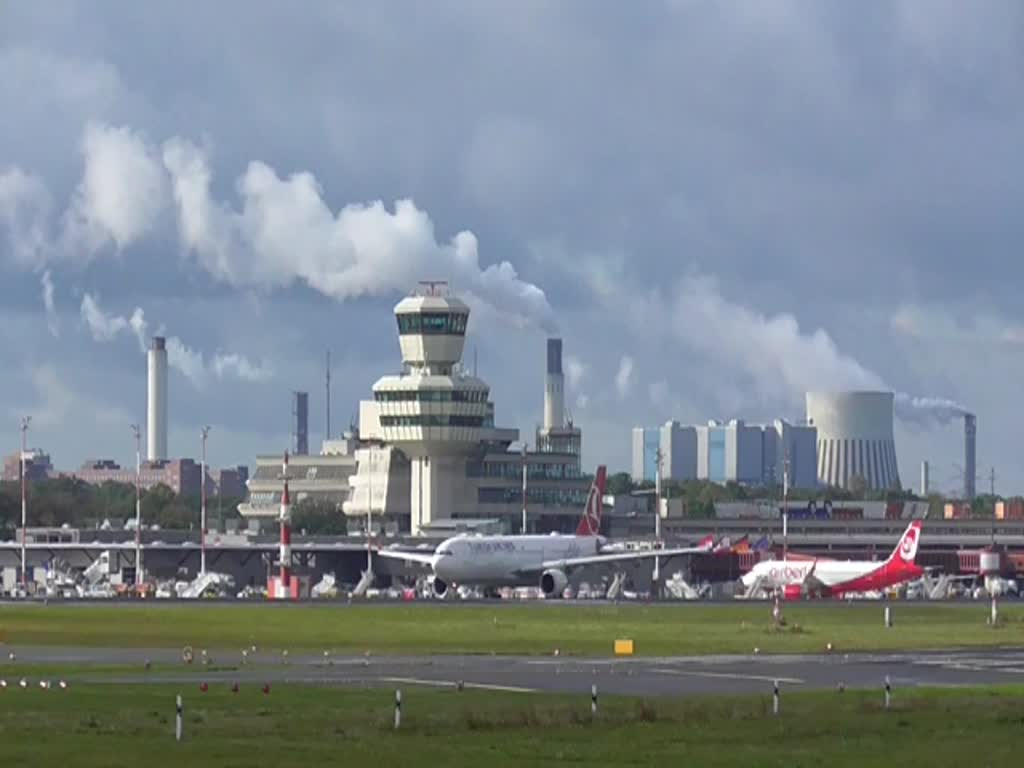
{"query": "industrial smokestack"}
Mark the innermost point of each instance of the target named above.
(924, 478)
(554, 387)
(970, 454)
(156, 410)
(300, 423)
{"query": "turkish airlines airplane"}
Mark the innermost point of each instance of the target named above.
(829, 578)
(522, 561)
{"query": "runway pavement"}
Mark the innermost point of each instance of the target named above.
(672, 676)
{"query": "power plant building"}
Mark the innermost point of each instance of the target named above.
(727, 452)
(855, 439)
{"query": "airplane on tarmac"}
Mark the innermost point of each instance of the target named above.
(528, 560)
(828, 578)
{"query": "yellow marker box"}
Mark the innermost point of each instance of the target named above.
(623, 647)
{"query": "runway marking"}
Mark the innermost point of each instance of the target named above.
(730, 676)
(451, 684)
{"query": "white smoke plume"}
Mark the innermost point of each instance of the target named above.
(624, 376)
(238, 366)
(773, 352)
(137, 322)
(778, 357)
(121, 195)
(49, 305)
(102, 326)
(190, 362)
(283, 232)
(25, 206)
(280, 231)
(927, 411)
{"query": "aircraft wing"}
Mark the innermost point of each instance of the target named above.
(422, 558)
(645, 554)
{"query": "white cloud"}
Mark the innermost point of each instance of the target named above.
(658, 391)
(102, 326)
(52, 322)
(624, 376)
(56, 403)
(123, 189)
(575, 371)
(25, 205)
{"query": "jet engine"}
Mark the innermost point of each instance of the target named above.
(439, 586)
(553, 583)
(792, 592)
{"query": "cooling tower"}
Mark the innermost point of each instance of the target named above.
(855, 438)
(156, 407)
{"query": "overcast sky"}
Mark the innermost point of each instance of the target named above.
(717, 205)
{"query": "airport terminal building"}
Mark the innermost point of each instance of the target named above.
(427, 450)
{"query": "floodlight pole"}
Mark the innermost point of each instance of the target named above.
(525, 466)
(202, 509)
(656, 575)
(137, 432)
(25, 421)
(785, 507)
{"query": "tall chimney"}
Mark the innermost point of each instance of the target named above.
(156, 409)
(300, 423)
(924, 478)
(970, 431)
(554, 387)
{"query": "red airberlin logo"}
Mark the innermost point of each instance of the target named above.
(909, 548)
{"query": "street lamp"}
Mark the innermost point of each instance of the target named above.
(202, 513)
(525, 469)
(137, 432)
(25, 421)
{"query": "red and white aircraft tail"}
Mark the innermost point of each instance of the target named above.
(590, 523)
(898, 568)
(906, 550)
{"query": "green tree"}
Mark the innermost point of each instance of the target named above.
(319, 518)
(619, 484)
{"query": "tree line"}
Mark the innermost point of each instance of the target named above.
(57, 501)
(700, 496)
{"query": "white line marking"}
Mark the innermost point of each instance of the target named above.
(451, 684)
(730, 676)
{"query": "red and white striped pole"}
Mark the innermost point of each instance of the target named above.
(286, 534)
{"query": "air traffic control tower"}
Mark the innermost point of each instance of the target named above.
(437, 415)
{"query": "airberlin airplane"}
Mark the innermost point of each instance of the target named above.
(829, 578)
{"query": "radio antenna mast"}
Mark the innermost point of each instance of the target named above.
(328, 434)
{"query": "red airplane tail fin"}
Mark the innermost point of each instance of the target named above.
(590, 523)
(906, 549)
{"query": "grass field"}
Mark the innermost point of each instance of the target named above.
(112, 726)
(518, 629)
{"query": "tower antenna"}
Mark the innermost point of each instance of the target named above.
(328, 372)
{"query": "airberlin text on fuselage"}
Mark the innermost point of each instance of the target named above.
(785, 574)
